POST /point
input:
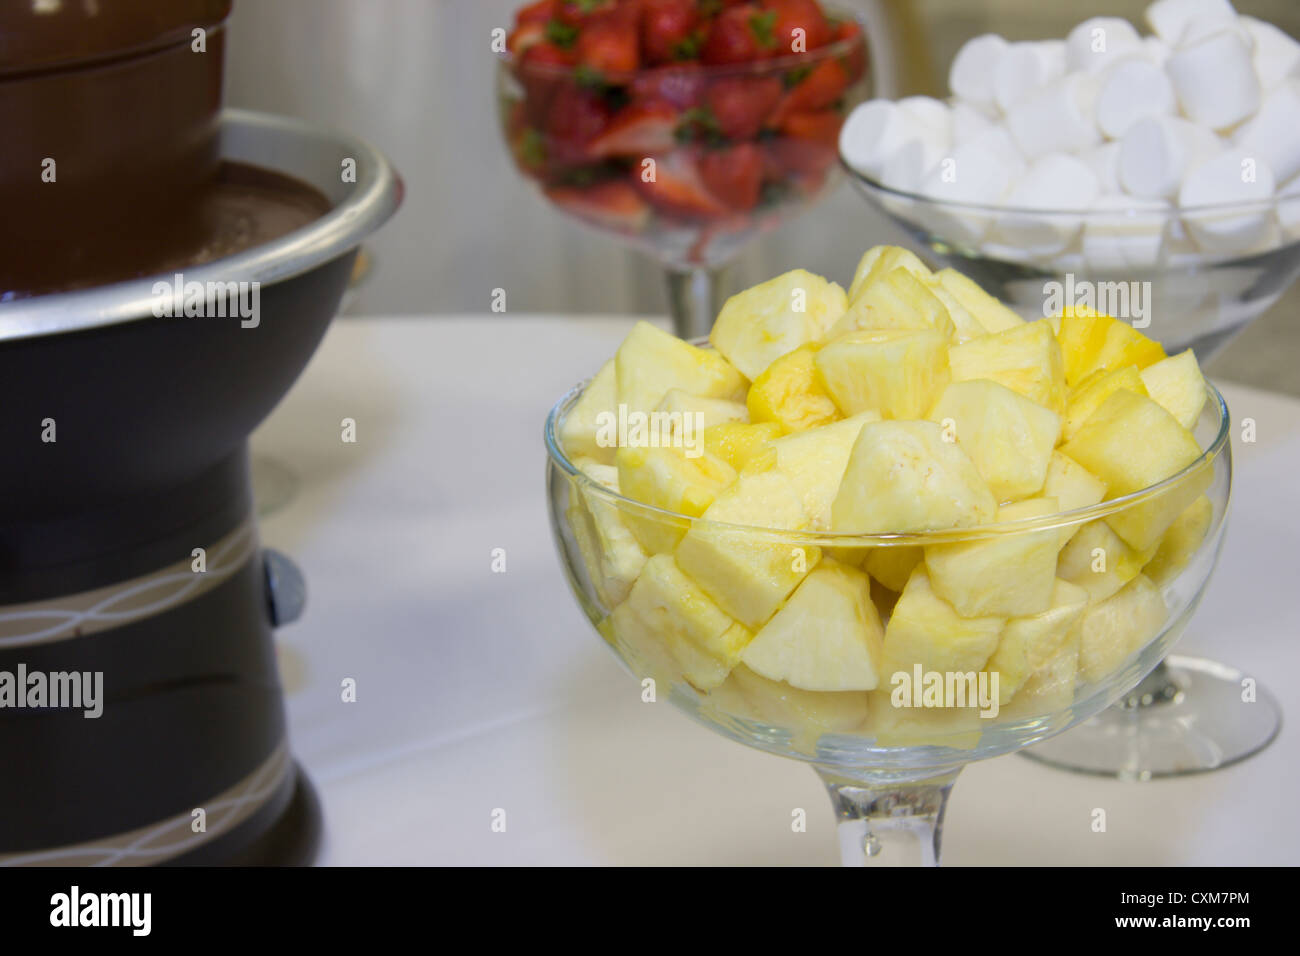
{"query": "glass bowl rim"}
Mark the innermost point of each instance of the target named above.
(832, 539)
(776, 64)
(1158, 211)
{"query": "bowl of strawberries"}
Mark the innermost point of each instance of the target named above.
(686, 127)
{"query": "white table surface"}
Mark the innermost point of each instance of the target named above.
(478, 690)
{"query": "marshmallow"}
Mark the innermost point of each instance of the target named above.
(1157, 151)
(1131, 89)
(1095, 43)
(1103, 160)
(1277, 55)
(934, 115)
(873, 133)
(1214, 80)
(1169, 19)
(1057, 119)
(1122, 233)
(1156, 50)
(1053, 182)
(1232, 180)
(973, 68)
(968, 122)
(975, 175)
(1273, 134)
(1024, 69)
(904, 170)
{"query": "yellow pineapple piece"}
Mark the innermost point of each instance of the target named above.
(650, 362)
(965, 325)
(808, 713)
(789, 393)
(1098, 560)
(611, 552)
(667, 478)
(827, 637)
(1090, 341)
(1008, 437)
(1086, 397)
(736, 443)
(896, 300)
(1073, 487)
(903, 476)
(814, 462)
(580, 431)
(896, 373)
(879, 261)
(893, 566)
(1177, 386)
(1180, 542)
(1131, 443)
(1025, 358)
(1050, 689)
(1030, 643)
(991, 314)
(711, 411)
(747, 574)
(925, 629)
(1010, 574)
(1112, 631)
(756, 327)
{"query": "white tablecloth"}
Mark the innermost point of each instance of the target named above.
(479, 691)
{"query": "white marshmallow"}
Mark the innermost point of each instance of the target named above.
(1097, 42)
(997, 140)
(1124, 233)
(1277, 55)
(872, 133)
(1157, 151)
(1103, 160)
(1053, 182)
(973, 68)
(934, 115)
(1131, 89)
(1214, 80)
(972, 175)
(905, 169)
(1233, 180)
(1155, 49)
(1024, 69)
(1058, 119)
(1169, 19)
(968, 122)
(1273, 134)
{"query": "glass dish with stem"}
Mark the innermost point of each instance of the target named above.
(688, 163)
(1188, 277)
(887, 764)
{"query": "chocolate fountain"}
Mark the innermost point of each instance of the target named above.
(166, 272)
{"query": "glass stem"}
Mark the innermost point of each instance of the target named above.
(1158, 687)
(890, 825)
(694, 296)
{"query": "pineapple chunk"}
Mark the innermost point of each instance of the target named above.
(896, 373)
(1110, 632)
(789, 393)
(665, 604)
(1177, 386)
(756, 327)
(991, 314)
(581, 426)
(879, 261)
(828, 636)
(1026, 359)
(1031, 643)
(1086, 397)
(667, 478)
(1131, 443)
(1009, 574)
(808, 713)
(897, 300)
(712, 411)
(737, 443)
(814, 462)
(1008, 437)
(1051, 688)
(612, 553)
(650, 362)
(747, 574)
(893, 566)
(965, 325)
(1098, 560)
(1180, 542)
(1090, 341)
(903, 476)
(1073, 487)
(925, 629)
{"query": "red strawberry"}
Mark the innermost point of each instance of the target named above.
(543, 69)
(608, 42)
(856, 58)
(740, 34)
(675, 186)
(734, 174)
(680, 86)
(820, 126)
(638, 130)
(575, 118)
(805, 15)
(539, 12)
(741, 103)
(524, 37)
(816, 91)
(574, 12)
(669, 30)
(801, 162)
(612, 204)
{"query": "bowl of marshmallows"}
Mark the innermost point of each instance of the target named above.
(1163, 166)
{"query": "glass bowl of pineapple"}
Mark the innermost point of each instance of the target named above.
(889, 542)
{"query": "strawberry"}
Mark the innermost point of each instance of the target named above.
(542, 70)
(855, 60)
(816, 91)
(524, 37)
(734, 174)
(741, 103)
(819, 126)
(740, 34)
(574, 12)
(805, 15)
(575, 118)
(680, 86)
(538, 12)
(609, 43)
(612, 204)
(669, 30)
(676, 187)
(639, 130)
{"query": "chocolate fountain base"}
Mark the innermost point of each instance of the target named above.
(293, 837)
